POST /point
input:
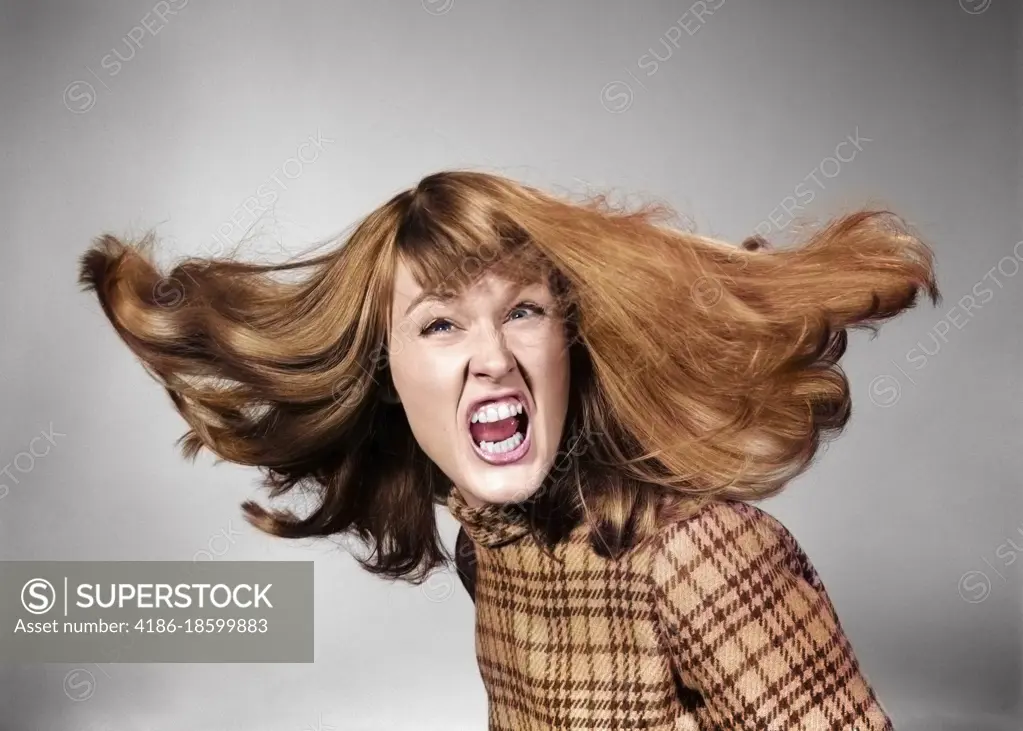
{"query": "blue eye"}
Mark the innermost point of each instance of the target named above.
(429, 329)
(536, 309)
(434, 326)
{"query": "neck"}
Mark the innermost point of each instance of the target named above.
(471, 500)
(489, 524)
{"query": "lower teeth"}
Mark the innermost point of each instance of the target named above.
(503, 446)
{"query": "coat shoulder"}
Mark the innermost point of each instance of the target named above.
(732, 534)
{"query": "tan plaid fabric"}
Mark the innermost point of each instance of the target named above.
(719, 624)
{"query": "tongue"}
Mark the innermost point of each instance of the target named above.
(494, 431)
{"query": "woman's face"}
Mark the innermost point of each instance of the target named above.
(483, 378)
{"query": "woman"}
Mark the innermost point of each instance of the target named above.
(595, 395)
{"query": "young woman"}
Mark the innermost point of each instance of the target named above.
(595, 395)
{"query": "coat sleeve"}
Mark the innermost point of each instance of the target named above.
(465, 562)
(748, 623)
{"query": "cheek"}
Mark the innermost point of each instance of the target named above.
(419, 394)
(415, 384)
(552, 361)
(427, 382)
(400, 365)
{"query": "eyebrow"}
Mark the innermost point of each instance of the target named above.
(426, 295)
(443, 297)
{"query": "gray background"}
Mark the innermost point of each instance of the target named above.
(922, 490)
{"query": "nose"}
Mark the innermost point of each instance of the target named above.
(490, 356)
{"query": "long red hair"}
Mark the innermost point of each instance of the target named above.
(700, 369)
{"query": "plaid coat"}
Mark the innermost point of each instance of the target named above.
(719, 624)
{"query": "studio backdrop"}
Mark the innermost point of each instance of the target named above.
(278, 125)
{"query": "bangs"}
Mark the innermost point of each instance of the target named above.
(448, 256)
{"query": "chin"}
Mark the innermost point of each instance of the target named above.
(511, 486)
(510, 478)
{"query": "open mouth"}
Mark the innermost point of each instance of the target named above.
(500, 431)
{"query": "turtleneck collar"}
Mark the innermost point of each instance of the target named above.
(491, 524)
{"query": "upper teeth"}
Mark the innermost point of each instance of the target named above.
(497, 411)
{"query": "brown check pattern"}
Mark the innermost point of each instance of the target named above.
(720, 624)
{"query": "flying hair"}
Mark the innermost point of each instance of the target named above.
(700, 370)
